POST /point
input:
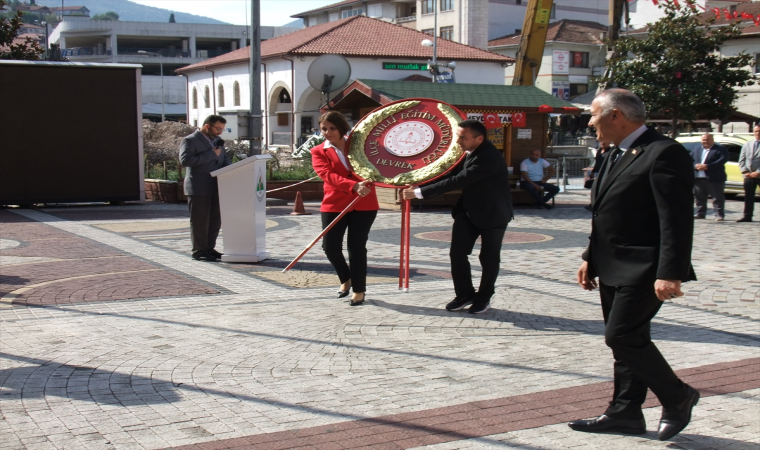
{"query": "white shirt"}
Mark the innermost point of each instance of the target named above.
(626, 143)
(340, 154)
(701, 173)
(535, 170)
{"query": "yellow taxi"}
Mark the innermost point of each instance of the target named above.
(733, 142)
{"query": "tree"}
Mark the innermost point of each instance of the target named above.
(172, 19)
(678, 69)
(28, 50)
(108, 15)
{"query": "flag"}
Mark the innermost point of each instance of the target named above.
(518, 120)
(757, 21)
(746, 15)
(675, 2)
(491, 120)
(727, 14)
(717, 12)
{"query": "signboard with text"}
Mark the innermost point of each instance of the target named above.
(561, 90)
(404, 66)
(561, 62)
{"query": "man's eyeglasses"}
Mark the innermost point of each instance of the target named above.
(219, 129)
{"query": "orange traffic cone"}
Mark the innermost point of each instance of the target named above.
(298, 209)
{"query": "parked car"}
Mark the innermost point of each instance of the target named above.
(734, 143)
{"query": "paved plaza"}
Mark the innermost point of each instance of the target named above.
(112, 337)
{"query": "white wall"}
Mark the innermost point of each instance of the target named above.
(174, 89)
(504, 19)
(749, 96)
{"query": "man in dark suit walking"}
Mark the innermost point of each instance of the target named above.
(483, 210)
(201, 155)
(710, 176)
(640, 248)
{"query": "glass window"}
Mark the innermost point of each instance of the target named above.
(375, 10)
(429, 31)
(427, 6)
(221, 95)
(351, 13)
(447, 33)
(757, 62)
(578, 89)
(195, 98)
(206, 98)
(332, 17)
(579, 59)
(236, 94)
(447, 5)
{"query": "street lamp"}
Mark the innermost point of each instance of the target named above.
(47, 38)
(161, 64)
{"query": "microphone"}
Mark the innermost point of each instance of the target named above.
(219, 143)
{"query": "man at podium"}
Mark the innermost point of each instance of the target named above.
(202, 153)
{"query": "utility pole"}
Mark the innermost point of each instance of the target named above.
(254, 82)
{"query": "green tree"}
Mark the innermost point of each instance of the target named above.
(28, 50)
(677, 69)
(108, 15)
(172, 19)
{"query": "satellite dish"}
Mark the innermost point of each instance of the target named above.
(329, 73)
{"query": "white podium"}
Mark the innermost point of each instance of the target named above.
(242, 199)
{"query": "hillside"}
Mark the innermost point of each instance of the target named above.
(129, 11)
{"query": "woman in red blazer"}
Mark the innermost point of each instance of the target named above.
(342, 186)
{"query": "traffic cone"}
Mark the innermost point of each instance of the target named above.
(298, 209)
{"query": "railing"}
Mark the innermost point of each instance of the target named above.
(166, 52)
(86, 51)
(569, 171)
(406, 19)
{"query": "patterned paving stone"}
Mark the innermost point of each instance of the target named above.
(271, 355)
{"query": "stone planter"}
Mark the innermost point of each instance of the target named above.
(162, 190)
(310, 191)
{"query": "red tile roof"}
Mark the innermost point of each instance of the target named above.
(325, 8)
(354, 36)
(573, 31)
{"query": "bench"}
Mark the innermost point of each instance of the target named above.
(520, 195)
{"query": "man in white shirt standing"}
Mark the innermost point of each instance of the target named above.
(710, 176)
(749, 164)
(533, 178)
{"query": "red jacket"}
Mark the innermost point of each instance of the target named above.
(339, 182)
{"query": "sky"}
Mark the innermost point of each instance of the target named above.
(273, 12)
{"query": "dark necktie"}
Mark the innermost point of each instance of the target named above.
(616, 152)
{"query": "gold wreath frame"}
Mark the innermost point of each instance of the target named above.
(365, 169)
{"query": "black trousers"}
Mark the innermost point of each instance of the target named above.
(702, 188)
(205, 221)
(628, 312)
(463, 237)
(358, 224)
(750, 185)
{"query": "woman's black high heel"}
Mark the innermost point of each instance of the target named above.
(342, 294)
(357, 302)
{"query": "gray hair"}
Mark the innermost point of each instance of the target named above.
(625, 101)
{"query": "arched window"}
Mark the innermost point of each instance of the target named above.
(206, 98)
(221, 95)
(284, 96)
(236, 93)
(195, 98)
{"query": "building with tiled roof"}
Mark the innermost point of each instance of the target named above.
(471, 22)
(573, 54)
(374, 49)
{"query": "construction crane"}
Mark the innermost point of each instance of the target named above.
(533, 39)
(532, 42)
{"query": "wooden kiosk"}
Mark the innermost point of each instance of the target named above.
(242, 199)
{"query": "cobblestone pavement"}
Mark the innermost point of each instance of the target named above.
(111, 336)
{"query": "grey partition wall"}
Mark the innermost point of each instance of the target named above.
(73, 133)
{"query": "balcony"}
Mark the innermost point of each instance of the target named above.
(86, 52)
(165, 52)
(406, 19)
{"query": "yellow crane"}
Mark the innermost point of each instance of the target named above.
(531, 49)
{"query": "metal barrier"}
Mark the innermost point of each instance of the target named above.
(569, 171)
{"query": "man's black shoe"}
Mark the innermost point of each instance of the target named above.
(745, 219)
(674, 420)
(215, 253)
(458, 303)
(606, 424)
(203, 256)
(479, 307)
(547, 206)
(699, 217)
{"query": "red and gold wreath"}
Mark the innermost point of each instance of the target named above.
(406, 142)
